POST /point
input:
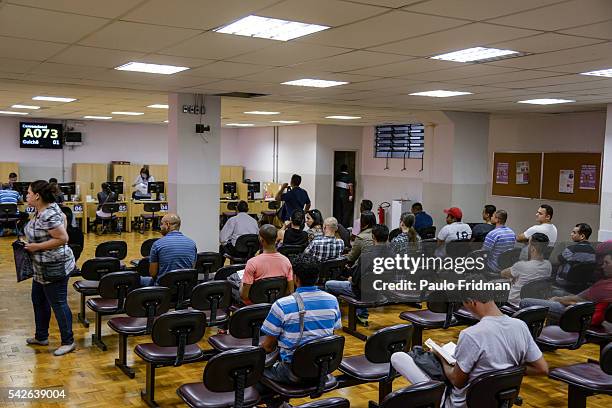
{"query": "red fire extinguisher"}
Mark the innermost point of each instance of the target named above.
(382, 209)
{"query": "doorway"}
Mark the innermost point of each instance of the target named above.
(343, 209)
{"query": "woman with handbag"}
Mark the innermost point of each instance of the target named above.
(52, 262)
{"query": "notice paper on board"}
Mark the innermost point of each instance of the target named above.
(522, 172)
(566, 181)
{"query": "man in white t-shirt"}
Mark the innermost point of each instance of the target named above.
(544, 225)
(524, 272)
(454, 230)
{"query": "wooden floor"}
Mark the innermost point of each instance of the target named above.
(91, 379)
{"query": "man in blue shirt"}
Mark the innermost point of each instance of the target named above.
(499, 240)
(422, 219)
(8, 196)
(295, 199)
(173, 251)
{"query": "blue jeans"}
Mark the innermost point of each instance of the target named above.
(555, 309)
(52, 296)
(337, 287)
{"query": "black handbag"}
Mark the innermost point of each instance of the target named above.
(53, 271)
(427, 362)
(23, 262)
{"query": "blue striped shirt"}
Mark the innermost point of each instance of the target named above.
(173, 251)
(9, 197)
(283, 322)
(499, 240)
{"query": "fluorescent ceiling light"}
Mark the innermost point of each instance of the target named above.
(315, 83)
(240, 124)
(602, 73)
(53, 99)
(98, 117)
(165, 121)
(477, 54)
(343, 117)
(158, 106)
(270, 28)
(546, 101)
(128, 113)
(261, 113)
(25, 107)
(13, 113)
(151, 68)
(440, 93)
(286, 122)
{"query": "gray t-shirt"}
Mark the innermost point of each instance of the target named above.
(524, 272)
(495, 343)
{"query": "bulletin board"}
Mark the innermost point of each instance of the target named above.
(574, 177)
(510, 180)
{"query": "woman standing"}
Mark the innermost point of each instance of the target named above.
(141, 182)
(52, 262)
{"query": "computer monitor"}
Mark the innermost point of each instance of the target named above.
(155, 187)
(229, 188)
(252, 188)
(68, 189)
(22, 188)
(115, 186)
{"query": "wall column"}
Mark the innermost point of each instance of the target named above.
(605, 215)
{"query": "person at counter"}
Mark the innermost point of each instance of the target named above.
(107, 195)
(59, 195)
(12, 178)
(141, 183)
(238, 225)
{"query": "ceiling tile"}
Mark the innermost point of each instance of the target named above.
(381, 83)
(404, 68)
(477, 9)
(382, 29)
(545, 42)
(352, 60)
(16, 65)
(37, 24)
(599, 30)
(560, 79)
(326, 12)
(587, 66)
(69, 71)
(212, 45)
(470, 70)
(506, 77)
(197, 14)
(100, 57)
(137, 37)
(223, 69)
(579, 54)
(106, 8)
(288, 53)
(28, 49)
(175, 60)
(388, 3)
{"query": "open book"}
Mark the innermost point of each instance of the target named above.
(447, 351)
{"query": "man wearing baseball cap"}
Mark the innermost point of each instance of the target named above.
(454, 230)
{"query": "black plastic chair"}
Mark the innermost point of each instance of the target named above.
(145, 250)
(495, 389)
(228, 380)
(354, 304)
(244, 328)
(291, 250)
(113, 290)
(245, 248)
(601, 335)
(268, 290)
(267, 216)
(142, 305)
(92, 271)
(331, 269)
(422, 395)
(336, 402)
(586, 379)
(226, 271)
(149, 210)
(112, 249)
(508, 258)
(9, 214)
(175, 336)
(108, 222)
(181, 283)
(207, 263)
(459, 248)
(427, 232)
(578, 278)
(439, 314)
(536, 289)
(534, 317)
(571, 331)
(374, 365)
(213, 298)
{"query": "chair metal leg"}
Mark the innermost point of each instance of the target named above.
(148, 395)
(121, 362)
(352, 324)
(576, 398)
(96, 338)
(417, 335)
(384, 388)
(81, 316)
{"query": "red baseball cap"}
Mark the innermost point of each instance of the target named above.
(454, 212)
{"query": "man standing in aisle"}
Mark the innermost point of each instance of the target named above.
(296, 198)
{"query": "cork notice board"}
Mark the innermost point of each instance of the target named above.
(506, 181)
(579, 174)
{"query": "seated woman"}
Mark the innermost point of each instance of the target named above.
(293, 232)
(105, 196)
(314, 222)
(364, 239)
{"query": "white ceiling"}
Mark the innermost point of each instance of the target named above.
(70, 47)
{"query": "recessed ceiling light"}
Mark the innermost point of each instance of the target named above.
(13, 113)
(440, 93)
(270, 28)
(261, 113)
(53, 99)
(158, 106)
(128, 113)
(165, 121)
(546, 101)
(25, 107)
(343, 117)
(602, 73)
(315, 83)
(151, 68)
(98, 117)
(477, 54)
(240, 124)
(286, 122)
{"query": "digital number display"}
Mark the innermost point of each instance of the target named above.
(164, 206)
(78, 208)
(40, 135)
(122, 208)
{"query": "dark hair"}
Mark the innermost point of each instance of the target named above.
(297, 218)
(296, 180)
(53, 180)
(344, 167)
(380, 232)
(366, 205)
(482, 296)
(540, 242)
(408, 219)
(145, 170)
(417, 206)
(502, 216)
(549, 210)
(242, 206)
(12, 175)
(367, 220)
(317, 218)
(268, 233)
(46, 190)
(489, 209)
(584, 229)
(306, 268)
(106, 188)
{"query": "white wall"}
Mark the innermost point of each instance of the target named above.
(605, 232)
(576, 132)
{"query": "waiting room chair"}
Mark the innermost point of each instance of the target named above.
(92, 271)
(267, 216)
(312, 365)
(600, 334)
(145, 250)
(174, 338)
(534, 317)
(375, 364)
(207, 263)
(354, 304)
(571, 331)
(245, 248)
(331, 269)
(579, 277)
(149, 210)
(336, 402)
(291, 250)
(422, 395)
(540, 288)
(495, 389)
(181, 283)
(231, 209)
(439, 314)
(105, 224)
(113, 249)
(508, 258)
(113, 290)
(229, 380)
(226, 271)
(345, 236)
(586, 379)
(142, 306)
(459, 248)
(214, 299)
(9, 215)
(268, 290)
(427, 232)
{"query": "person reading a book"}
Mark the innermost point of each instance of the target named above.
(497, 342)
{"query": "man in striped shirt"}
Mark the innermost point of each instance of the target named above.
(8, 196)
(326, 246)
(282, 326)
(499, 240)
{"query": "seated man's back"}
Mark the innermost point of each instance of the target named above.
(325, 248)
(173, 251)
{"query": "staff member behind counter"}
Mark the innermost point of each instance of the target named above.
(142, 183)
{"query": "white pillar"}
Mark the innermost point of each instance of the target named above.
(605, 215)
(193, 169)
